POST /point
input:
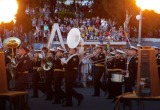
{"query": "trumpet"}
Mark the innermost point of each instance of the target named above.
(106, 59)
(90, 55)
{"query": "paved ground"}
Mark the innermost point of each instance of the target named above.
(89, 102)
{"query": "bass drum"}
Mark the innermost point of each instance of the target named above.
(117, 77)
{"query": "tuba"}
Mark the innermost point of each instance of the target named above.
(12, 42)
(75, 40)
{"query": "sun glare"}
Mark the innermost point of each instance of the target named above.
(8, 10)
(149, 5)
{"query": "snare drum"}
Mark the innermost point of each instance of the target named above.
(117, 77)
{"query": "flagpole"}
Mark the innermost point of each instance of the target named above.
(140, 28)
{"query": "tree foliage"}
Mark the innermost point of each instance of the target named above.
(116, 10)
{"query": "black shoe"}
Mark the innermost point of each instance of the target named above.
(67, 105)
(80, 100)
(95, 95)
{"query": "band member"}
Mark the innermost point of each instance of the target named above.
(22, 69)
(110, 68)
(58, 77)
(119, 65)
(36, 63)
(131, 73)
(158, 59)
(98, 61)
(48, 66)
(21, 79)
(71, 72)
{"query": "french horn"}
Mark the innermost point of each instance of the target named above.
(47, 66)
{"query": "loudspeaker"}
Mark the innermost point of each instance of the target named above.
(147, 78)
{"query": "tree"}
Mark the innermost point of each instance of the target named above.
(116, 10)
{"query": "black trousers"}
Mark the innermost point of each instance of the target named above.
(3, 103)
(70, 78)
(48, 88)
(20, 85)
(116, 89)
(59, 93)
(97, 77)
(35, 80)
(48, 84)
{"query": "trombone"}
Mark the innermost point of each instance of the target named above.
(90, 55)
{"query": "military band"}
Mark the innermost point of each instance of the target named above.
(119, 68)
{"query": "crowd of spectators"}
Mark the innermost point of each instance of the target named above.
(94, 28)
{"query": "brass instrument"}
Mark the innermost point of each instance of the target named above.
(75, 40)
(106, 59)
(47, 63)
(12, 42)
(90, 55)
(47, 66)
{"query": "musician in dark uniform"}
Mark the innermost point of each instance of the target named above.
(48, 67)
(158, 59)
(98, 61)
(21, 78)
(71, 72)
(119, 65)
(110, 67)
(58, 76)
(131, 69)
(22, 69)
(36, 64)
